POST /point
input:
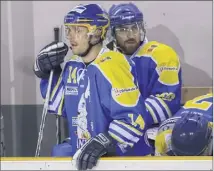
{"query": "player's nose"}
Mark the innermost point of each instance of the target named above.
(130, 34)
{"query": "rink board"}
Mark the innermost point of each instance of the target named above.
(128, 163)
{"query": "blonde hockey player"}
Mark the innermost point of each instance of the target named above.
(96, 91)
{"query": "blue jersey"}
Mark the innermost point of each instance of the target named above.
(202, 105)
(101, 97)
(159, 79)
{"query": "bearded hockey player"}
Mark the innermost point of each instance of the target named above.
(96, 90)
(189, 132)
(158, 66)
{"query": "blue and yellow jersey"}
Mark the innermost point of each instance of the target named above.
(101, 97)
(159, 78)
(202, 105)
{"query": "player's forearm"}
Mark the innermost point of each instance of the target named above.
(125, 134)
(56, 102)
(44, 84)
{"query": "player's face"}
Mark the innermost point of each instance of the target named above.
(78, 38)
(128, 37)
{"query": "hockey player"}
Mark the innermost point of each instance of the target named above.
(96, 91)
(189, 131)
(158, 66)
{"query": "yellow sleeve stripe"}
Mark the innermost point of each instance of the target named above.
(129, 127)
(119, 139)
(152, 113)
(165, 106)
(61, 105)
(56, 88)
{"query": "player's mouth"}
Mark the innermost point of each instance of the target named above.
(131, 41)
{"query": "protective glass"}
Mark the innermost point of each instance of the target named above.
(130, 29)
(75, 31)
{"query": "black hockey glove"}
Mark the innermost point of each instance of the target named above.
(87, 156)
(50, 57)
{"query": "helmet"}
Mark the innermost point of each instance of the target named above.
(126, 13)
(91, 16)
(191, 135)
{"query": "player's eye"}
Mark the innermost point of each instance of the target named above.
(122, 30)
(67, 31)
(135, 28)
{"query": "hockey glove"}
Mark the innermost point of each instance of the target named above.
(87, 156)
(50, 57)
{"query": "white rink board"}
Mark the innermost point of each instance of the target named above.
(148, 163)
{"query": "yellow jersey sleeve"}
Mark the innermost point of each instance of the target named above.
(166, 60)
(118, 71)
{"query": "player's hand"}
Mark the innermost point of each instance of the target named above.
(87, 156)
(50, 58)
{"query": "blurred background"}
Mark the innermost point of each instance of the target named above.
(27, 26)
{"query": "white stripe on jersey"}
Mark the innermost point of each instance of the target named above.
(164, 105)
(56, 101)
(151, 112)
(124, 133)
(119, 139)
(157, 108)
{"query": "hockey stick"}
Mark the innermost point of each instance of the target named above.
(58, 122)
(46, 104)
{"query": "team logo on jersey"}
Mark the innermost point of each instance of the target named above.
(71, 90)
(83, 133)
(119, 91)
(126, 96)
(164, 68)
(166, 96)
(168, 73)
